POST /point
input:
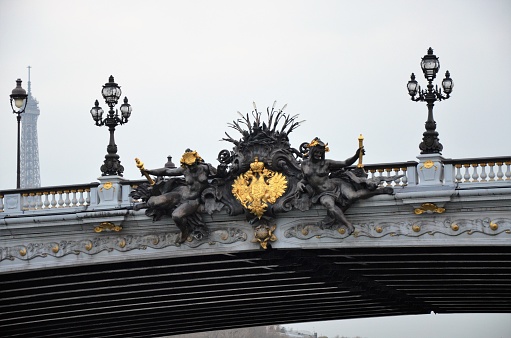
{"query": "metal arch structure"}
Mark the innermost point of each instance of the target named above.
(171, 296)
(103, 271)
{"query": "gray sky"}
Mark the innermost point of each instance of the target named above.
(187, 67)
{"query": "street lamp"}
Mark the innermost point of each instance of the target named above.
(111, 93)
(430, 65)
(19, 98)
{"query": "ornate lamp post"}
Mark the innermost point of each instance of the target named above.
(19, 98)
(430, 65)
(111, 93)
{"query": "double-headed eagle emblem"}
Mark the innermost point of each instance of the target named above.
(258, 187)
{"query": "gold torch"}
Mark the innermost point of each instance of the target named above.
(360, 145)
(140, 165)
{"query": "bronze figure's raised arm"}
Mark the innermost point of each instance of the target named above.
(180, 196)
(331, 184)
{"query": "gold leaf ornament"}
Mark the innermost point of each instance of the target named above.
(264, 234)
(190, 157)
(257, 187)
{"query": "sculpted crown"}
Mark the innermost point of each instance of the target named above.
(256, 166)
(317, 142)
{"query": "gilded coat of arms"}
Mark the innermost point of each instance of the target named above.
(257, 187)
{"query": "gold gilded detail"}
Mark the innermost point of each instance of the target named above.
(494, 226)
(429, 207)
(122, 243)
(416, 228)
(55, 248)
(360, 145)
(23, 251)
(379, 229)
(455, 227)
(315, 142)
(190, 157)
(107, 185)
(140, 166)
(264, 234)
(258, 187)
(88, 246)
(429, 164)
(107, 226)
(342, 231)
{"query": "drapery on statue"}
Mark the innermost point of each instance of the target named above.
(329, 183)
(179, 196)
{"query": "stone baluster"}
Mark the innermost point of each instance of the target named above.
(508, 171)
(483, 172)
(24, 202)
(38, 200)
(74, 200)
(1, 203)
(53, 199)
(467, 173)
(31, 201)
(60, 201)
(500, 173)
(46, 202)
(67, 200)
(491, 174)
(404, 179)
(87, 199)
(81, 200)
(475, 174)
(458, 176)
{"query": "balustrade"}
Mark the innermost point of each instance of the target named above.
(46, 198)
(407, 171)
(480, 170)
(472, 170)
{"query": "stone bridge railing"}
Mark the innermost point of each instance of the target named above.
(474, 170)
(451, 172)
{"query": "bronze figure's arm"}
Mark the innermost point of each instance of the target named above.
(336, 165)
(166, 171)
(358, 154)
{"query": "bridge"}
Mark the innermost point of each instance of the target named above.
(80, 259)
(273, 234)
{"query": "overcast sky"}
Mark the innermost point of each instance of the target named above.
(188, 66)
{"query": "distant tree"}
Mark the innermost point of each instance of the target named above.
(249, 332)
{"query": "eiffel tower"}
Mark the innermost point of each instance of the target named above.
(30, 172)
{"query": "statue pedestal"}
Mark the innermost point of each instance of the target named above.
(109, 191)
(430, 169)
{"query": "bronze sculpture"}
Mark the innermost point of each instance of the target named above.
(327, 182)
(180, 197)
(262, 177)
